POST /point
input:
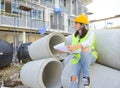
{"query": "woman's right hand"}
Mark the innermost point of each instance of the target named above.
(86, 49)
(71, 47)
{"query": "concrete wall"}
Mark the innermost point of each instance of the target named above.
(9, 38)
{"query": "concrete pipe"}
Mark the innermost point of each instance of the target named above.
(101, 77)
(108, 47)
(45, 73)
(69, 39)
(43, 48)
(104, 77)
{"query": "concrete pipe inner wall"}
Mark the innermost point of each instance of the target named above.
(45, 73)
(43, 48)
(50, 74)
(54, 40)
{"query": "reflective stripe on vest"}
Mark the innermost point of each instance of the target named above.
(77, 57)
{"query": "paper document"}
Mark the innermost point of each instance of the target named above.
(61, 47)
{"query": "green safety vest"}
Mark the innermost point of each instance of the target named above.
(77, 57)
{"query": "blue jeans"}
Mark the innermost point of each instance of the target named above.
(83, 65)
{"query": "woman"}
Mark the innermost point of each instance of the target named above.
(83, 40)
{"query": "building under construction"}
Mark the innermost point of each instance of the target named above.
(20, 20)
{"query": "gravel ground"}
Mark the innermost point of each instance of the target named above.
(11, 76)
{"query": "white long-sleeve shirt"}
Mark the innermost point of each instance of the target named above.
(89, 40)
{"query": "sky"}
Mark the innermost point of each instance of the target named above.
(103, 9)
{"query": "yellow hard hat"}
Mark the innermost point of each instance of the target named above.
(81, 19)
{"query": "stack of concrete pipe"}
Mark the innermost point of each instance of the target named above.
(106, 72)
(45, 71)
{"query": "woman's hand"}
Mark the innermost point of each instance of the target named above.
(71, 47)
(86, 49)
(74, 47)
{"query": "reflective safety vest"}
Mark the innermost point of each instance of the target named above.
(75, 41)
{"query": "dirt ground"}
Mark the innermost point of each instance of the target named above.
(10, 76)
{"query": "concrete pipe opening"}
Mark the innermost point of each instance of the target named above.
(54, 40)
(45, 73)
(43, 48)
(51, 74)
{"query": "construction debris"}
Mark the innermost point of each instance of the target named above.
(10, 76)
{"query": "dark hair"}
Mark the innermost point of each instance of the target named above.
(84, 32)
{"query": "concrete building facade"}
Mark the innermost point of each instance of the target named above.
(20, 20)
